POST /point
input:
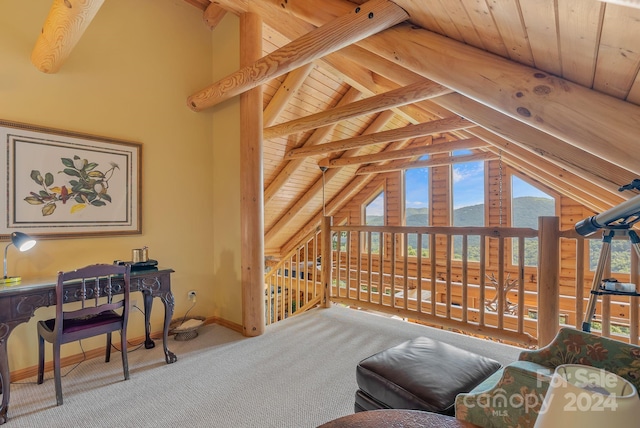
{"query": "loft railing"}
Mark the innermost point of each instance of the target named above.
(491, 293)
(292, 284)
(428, 274)
(433, 275)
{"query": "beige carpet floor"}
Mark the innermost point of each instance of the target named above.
(300, 373)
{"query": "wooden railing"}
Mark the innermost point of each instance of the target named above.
(491, 293)
(292, 284)
(373, 267)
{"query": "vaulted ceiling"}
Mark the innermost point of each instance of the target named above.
(549, 86)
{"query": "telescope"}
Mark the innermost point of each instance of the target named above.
(622, 216)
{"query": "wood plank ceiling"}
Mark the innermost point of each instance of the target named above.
(571, 137)
(550, 86)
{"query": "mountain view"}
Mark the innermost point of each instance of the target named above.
(525, 212)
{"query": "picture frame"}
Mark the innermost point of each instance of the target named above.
(65, 184)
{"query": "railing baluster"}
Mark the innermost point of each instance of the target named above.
(520, 308)
(348, 261)
(579, 290)
(392, 269)
(381, 288)
(482, 280)
(432, 254)
(370, 263)
(339, 263)
(419, 274)
(500, 289)
(358, 247)
(307, 268)
(448, 274)
(465, 277)
(405, 259)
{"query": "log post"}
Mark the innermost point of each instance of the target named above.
(251, 185)
(325, 275)
(548, 279)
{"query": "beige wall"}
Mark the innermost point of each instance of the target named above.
(226, 173)
(128, 78)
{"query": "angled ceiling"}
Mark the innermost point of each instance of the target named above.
(550, 86)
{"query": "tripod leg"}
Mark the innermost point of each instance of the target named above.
(605, 252)
(635, 241)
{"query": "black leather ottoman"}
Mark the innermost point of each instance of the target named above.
(420, 374)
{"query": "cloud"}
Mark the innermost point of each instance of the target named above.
(376, 207)
(467, 170)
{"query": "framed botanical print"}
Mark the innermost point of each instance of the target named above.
(65, 184)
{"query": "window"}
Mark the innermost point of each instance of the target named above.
(374, 216)
(374, 211)
(527, 204)
(468, 203)
(416, 202)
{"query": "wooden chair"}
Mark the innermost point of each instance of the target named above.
(94, 287)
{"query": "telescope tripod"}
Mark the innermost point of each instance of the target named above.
(597, 289)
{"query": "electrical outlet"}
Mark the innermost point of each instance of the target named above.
(132, 303)
(192, 295)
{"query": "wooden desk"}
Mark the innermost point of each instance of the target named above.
(396, 418)
(19, 302)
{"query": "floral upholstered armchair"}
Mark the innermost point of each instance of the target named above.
(512, 397)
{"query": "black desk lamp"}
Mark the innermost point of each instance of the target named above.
(22, 242)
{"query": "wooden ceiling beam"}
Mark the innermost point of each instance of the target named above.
(63, 28)
(362, 22)
(401, 96)
(601, 124)
(363, 79)
(591, 121)
(291, 166)
(409, 131)
(580, 162)
(346, 193)
(552, 176)
(315, 189)
(285, 92)
(212, 15)
(369, 68)
(444, 147)
(346, 63)
(444, 161)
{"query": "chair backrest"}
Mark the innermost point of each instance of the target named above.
(572, 346)
(95, 287)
